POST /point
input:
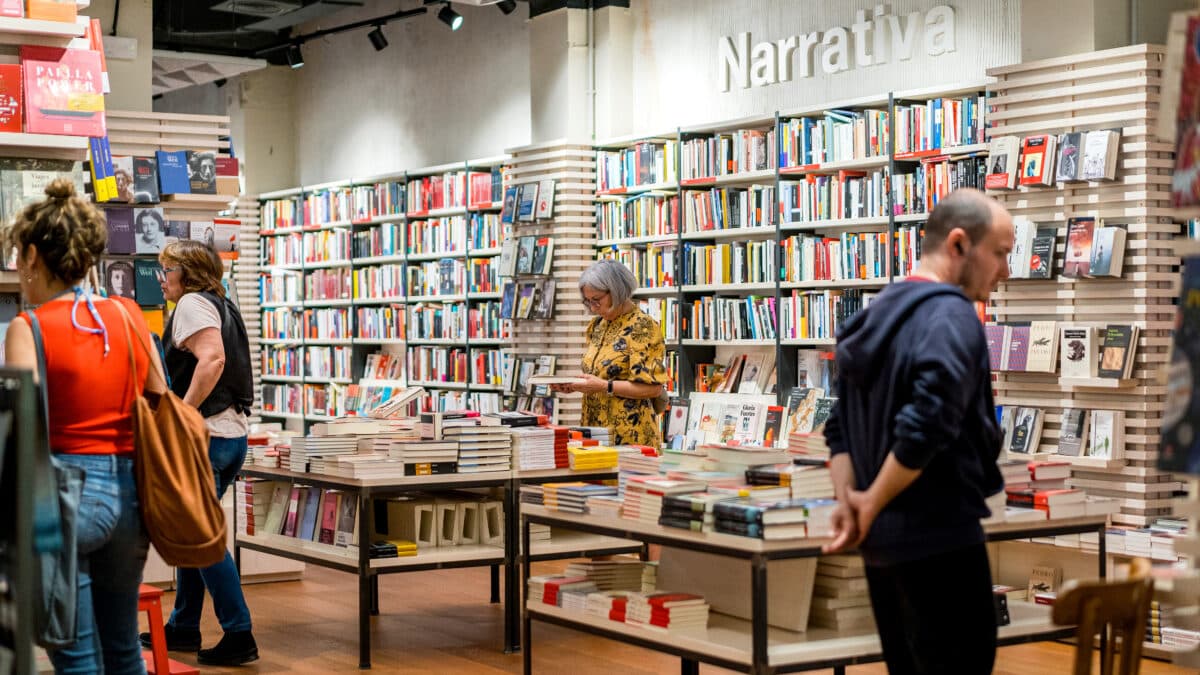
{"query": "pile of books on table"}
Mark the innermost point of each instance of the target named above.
(671, 612)
(609, 575)
(840, 598)
(572, 497)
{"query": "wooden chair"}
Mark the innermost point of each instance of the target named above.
(1113, 610)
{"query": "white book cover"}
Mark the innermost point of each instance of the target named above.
(1078, 351)
(1018, 259)
(1073, 434)
(752, 375)
(1043, 347)
(545, 200)
(749, 424)
(1107, 435)
(1096, 150)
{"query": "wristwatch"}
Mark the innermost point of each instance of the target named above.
(610, 383)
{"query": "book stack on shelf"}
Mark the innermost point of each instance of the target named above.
(1088, 272)
(840, 598)
(484, 442)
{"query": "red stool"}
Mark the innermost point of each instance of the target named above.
(150, 602)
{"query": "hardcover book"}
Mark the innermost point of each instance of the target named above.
(123, 171)
(63, 91)
(119, 279)
(150, 231)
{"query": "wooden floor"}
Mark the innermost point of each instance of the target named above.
(440, 622)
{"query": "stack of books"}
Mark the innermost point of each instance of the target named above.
(533, 448)
(485, 446)
(690, 512)
(608, 506)
(805, 477)
(598, 434)
(531, 494)
(608, 604)
(644, 496)
(793, 519)
(572, 497)
(548, 589)
(609, 575)
(306, 449)
(635, 464)
(592, 458)
(365, 465)
(393, 548)
(252, 499)
(649, 576)
(840, 597)
(425, 457)
(672, 612)
(738, 458)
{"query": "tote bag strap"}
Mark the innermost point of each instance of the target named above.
(39, 346)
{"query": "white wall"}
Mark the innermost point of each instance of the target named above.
(431, 97)
(130, 80)
(675, 72)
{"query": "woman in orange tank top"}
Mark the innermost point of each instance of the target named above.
(91, 390)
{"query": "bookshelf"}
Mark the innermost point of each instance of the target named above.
(751, 645)
(1113, 89)
(354, 267)
(765, 232)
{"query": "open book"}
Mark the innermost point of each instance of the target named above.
(541, 380)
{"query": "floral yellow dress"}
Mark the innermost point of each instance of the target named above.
(628, 348)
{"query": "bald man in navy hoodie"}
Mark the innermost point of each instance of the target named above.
(914, 443)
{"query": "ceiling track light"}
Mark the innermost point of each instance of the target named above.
(451, 18)
(507, 6)
(294, 58)
(378, 39)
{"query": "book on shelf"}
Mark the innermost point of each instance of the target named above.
(1117, 351)
(121, 238)
(119, 279)
(172, 172)
(11, 101)
(526, 299)
(1043, 579)
(508, 211)
(1041, 253)
(150, 230)
(14, 9)
(202, 172)
(1107, 435)
(1108, 251)
(1003, 157)
(1026, 431)
(1078, 258)
(123, 172)
(1037, 160)
(1069, 167)
(1101, 148)
(544, 210)
(63, 90)
(64, 11)
(543, 256)
(754, 373)
(103, 185)
(149, 291)
(145, 180)
(1043, 347)
(1079, 352)
(1073, 433)
(527, 202)
(1021, 257)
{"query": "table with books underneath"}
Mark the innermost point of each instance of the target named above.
(412, 522)
(733, 595)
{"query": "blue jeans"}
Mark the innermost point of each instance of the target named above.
(112, 551)
(222, 579)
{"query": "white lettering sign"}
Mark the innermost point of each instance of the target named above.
(883, 38)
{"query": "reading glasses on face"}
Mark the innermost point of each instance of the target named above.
(594, 302)
(162, 273)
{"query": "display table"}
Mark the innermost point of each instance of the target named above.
(508, 556)
(752, 646)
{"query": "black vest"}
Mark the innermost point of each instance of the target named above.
(236, 386)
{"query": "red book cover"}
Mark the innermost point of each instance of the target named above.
(13, 8)
(227, 166)
(1033, 160)
(10, 97)
(63, 91)
(671, 599)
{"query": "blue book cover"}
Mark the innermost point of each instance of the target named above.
(308, 524)
(173, 173)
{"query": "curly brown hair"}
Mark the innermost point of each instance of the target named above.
(67, 231)
(199, 264)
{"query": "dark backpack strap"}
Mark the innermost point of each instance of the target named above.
(43, 374)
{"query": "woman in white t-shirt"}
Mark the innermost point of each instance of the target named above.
(208, 359)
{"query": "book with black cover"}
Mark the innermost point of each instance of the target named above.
(202, 172)
(145, 180)
(120, 230)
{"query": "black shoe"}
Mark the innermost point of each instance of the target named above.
(234, 649)
(178, 639)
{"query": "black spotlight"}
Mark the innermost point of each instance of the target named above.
(294, 57)
(378, 39)
(507, 6)
(451, 18)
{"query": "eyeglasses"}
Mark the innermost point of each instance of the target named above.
(162, 273)
(594, 302)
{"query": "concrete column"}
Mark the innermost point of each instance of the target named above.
(559, 75)
(614, 71)
(263, 124)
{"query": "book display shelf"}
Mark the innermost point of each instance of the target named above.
(400, 265)
(504, 557)
(750, 645)
(1114, 89)
(764, 233)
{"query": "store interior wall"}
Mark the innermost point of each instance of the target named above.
(130, 79)
(503, 81)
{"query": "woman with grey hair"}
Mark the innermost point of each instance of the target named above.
(623, 367)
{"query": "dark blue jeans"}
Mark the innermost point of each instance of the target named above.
(221, 580)
(112, 553)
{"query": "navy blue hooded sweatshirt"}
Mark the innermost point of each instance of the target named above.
(914, 380)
